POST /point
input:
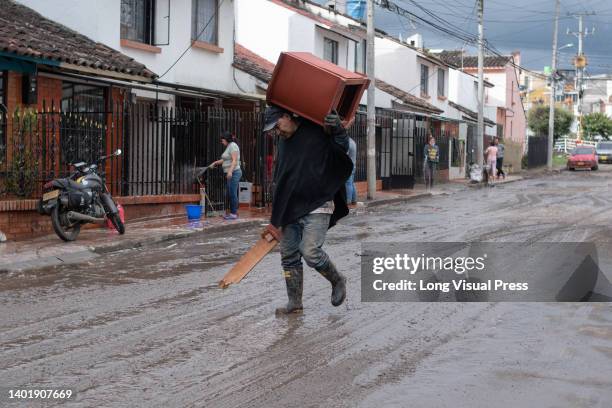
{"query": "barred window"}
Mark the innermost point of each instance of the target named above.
(82, 130)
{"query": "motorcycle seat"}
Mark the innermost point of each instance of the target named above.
(72, 185)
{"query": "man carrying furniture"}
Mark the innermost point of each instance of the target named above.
(309, 197)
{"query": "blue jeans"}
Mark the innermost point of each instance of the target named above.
(304, 239)
(351, 191)
(232, 190)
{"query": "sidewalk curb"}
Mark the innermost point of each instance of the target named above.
(481, 185)
(394, 200)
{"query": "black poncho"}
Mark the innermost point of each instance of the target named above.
(311, 169)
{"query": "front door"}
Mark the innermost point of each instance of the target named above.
(402, 153)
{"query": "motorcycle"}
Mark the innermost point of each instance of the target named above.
(78, 199)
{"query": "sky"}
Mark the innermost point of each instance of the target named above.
(524, 25)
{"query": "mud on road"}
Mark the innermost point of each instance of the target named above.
(149, 327)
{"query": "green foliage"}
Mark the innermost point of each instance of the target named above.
(537, 120)
(24, 161)
(525, 162)
(597, 124)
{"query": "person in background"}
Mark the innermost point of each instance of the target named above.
(430, 162)
(230, 162)
(351, 191)
(491, 157)
(500, 158)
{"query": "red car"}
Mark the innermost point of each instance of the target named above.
(583, 157)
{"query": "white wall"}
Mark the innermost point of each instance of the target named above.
(285, 30)
(461, 89)
(497, 95)
(396, 64)
(100, 20)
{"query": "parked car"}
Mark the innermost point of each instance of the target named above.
(582, 157)
(604, 152)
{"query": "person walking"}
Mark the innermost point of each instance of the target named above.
(309, 197)
(500, 158)
(230, 163)
(430, 161)
(351, 191)
(491, 158)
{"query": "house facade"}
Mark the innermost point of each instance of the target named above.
(188, 44)
(79, 97)
(502, 101)
(408, 79)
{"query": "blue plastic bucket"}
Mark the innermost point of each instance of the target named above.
(194, 212)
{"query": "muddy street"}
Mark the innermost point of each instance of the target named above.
(149, 327)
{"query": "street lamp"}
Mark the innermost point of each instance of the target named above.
(566, 46)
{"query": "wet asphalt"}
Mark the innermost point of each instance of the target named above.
(149, 327)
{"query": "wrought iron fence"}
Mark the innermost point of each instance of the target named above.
(161, 146)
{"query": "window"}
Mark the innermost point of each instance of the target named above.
(441, 82)
(137, 18)
(330, 51)
(82, 134)
(204, 21)
(360, 51)
(82, 98)
(424, 80)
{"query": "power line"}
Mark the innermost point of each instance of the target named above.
(461, 34)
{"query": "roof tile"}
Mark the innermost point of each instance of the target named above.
(25, 32)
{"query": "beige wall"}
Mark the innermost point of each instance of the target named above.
(513, 155)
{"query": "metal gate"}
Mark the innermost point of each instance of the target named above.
(395, 134)
(403, 153)
(537, 153)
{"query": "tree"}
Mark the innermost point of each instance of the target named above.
(597, 124)
(537, 120)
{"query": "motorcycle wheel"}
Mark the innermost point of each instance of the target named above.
(117, 223)
(59, 223)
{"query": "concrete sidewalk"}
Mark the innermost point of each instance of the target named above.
(49, 250)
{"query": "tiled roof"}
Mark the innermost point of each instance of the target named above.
(470, 113)
(251, 63)
(407, 98)
(470, 61)
(25, 32)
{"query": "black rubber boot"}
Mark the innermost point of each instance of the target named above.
(338, 282)
(294, 279)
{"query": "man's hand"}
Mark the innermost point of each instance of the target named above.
(272, 230)
(333, 124)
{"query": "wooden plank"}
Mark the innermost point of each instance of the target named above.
(249, 260)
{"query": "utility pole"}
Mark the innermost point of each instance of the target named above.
(580, 62)
(480, 131)
(553, 89)
(371, 157)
